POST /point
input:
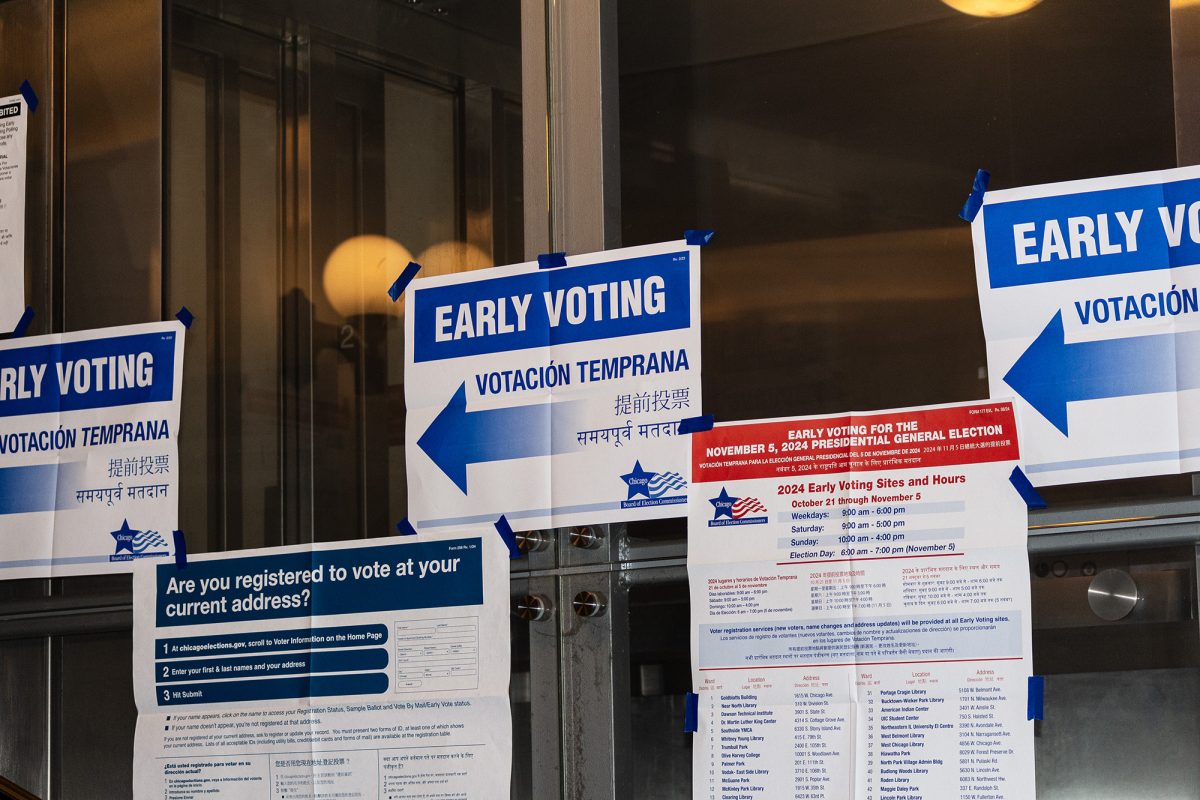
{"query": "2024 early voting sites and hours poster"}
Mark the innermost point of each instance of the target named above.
(860, 607)
(553, 396)
(370, 669)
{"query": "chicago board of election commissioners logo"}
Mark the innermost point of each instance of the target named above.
(646, 488)
(729, 510)
(133, 544)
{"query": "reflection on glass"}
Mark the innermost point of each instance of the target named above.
(224, 234)
(991, 8)
(660, 676)
(358, 269)
(408, 177)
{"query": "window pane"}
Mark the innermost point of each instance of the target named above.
(422, 163)
(224, 234)
(831, 146)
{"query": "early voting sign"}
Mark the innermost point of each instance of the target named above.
(553, 396)
(89, 461)
(366, 669)
(14, 119)
(1089, 297)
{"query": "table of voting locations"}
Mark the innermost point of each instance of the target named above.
(860, 607)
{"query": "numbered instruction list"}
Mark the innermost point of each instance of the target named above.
(860, 603)
(369, 670)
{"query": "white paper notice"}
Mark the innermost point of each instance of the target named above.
(553, 396)
(89, 459)
(14, 118)
(860, 607)
(371, 669)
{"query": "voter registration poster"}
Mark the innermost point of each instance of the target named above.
(370, 669)
(860, 607)
(1089, 295)
(89, 456)
(553, 396)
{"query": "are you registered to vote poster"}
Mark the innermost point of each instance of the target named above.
(553, 396)
(373, 669)
(1089, 294)
(89, 459)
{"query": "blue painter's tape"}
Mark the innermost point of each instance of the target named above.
(699, 238)
(696, 424)
(180, 549)
(404, 280)
(1037, 695)
(1025, 489)
(405, 528)
(691, 712)
(552, 260)
(23, 323)
(506, 533)
(31, 98)
(185, 316)
(975, 199)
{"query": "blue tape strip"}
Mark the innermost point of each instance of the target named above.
(696, 424)
(404, 280)
(405, 528)
(506, 533)
(975, 199)
(1025, 489)
(185, 316)
(31, 98)
(698, 238)
(691, 712)
(23, 323)
(180, 549)
(552, 260)
(1037, 695)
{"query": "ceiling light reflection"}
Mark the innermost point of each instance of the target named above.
(991, 8)
(447, 258)
(359, 271)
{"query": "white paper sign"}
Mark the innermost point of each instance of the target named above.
(860, 607)
(14, 118)
(1088, 291)
(89, 460)
(369, 669)
(553, 396)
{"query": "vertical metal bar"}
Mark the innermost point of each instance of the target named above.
(297, 446)
(1185, 68)
(595, 690)
(535, 127)
(584, 158)
(1195, 605)
(595, 669)
(56, 162)
(545, 721)
(545, 663)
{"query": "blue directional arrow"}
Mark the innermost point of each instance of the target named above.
(458, 437)
(1051, 373)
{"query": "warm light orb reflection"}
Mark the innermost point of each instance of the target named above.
(991, 8)
(446, 258)
(359, 271)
